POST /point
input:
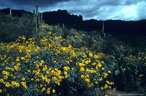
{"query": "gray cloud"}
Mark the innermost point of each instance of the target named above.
(33, 2)
(28, 4)
(89, 9)
(106, 9)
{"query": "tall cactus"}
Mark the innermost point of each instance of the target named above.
(37, 11)
(35, 16)
(103, 27)
(41, 17)
(102, 31)
(10, 12)
(37, 20)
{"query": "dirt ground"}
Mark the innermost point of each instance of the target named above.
(118, 93)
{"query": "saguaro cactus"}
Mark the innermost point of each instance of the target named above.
(102, 30)
(35, 16)
(38, 18)
(103, 27)
(41, 17)
(37, 11)
(10, 12)
(33, 12)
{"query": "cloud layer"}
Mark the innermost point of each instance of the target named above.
(89, 9)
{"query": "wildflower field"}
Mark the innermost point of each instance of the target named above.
(52, 65)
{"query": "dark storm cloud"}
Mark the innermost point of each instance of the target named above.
(28, 4)
(33, 2)
(89, 9)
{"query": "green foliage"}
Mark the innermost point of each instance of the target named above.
(122, 59)
(117, 72)
(87, 63)
(13, 27)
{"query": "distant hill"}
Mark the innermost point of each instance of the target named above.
(14, 12)
(115, 27)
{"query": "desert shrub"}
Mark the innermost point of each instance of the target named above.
(50, 68)
(55, 65)
(128, 73)
(13, 27)
(96, 41)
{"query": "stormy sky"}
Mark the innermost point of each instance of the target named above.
(89, 9)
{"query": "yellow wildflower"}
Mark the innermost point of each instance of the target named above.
(86, 62)
(43, 89)
(42, 61)
(102, 61)
(50, 33)
(102, 88)
(87, 75)
(141, 75)
(1, 91)
(81, 64)
(18, 64)
(16, 68)
(1, 80)
(82, 69)
(107, 82)
(7, 84)
(82, 76)
(17, 59)
(87, 80)
(66, 76)
(111, 83)
(66, 68)
(99, 65)
(5, 77)
(14, 83)
(96, 82)
(105, 75)
(48, 90)
(58, 84)
(23, 79)
(28, 71)
(109, 71)
(54, 78)
(95, 57)
(94, 63)
(22, 58)
(67, 62)
(101, 79)
(5, 72)
(91, 54)
(53, 91)
(102, 68)
(32, 79)
(105, 86)
(65, 73)
(24, 84)
(59, 37)
(73, 68)
(69, 46)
